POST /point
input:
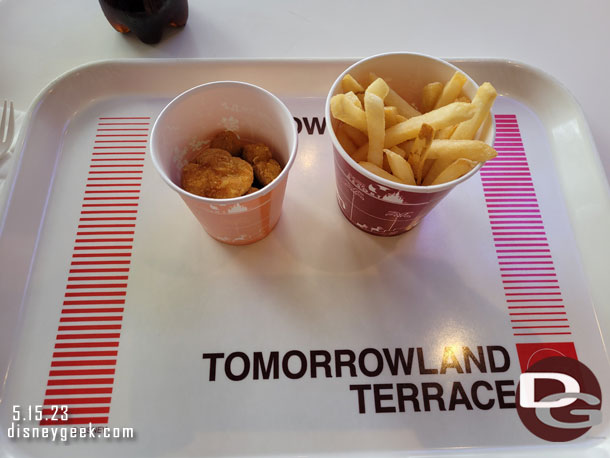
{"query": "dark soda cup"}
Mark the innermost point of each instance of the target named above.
(145, 18)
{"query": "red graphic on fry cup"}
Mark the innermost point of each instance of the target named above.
(559, 399)
(374, 204)
(254, 114)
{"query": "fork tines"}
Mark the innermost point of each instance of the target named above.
(8, 120)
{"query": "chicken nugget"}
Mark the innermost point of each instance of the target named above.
(204, 157)
(255, 152)
(266, 171)
(193, 179)
(251, 190)
(227, 141)
(219, 176)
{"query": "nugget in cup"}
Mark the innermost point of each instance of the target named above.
(389, 176)
(185, 128)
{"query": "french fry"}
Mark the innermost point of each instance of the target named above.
(445, 133)
(448, 115)
(398, 150)
(394, 149)
(455, 170)
(452, 90)
(405, 146)
(390, 111)
(400, 167)
(363, 150)
(388, 137)
(428, 163)
(344, 110)
(378, 87)
(430, 94)
(380, 172)
(373, 108)
(483, 100)
(436, 166)
(393, 98)
(386, 164)
(358, 137)
(360, 155)
(475, 150)
(349, 83)
(354, 99)
(346, 142)
(418, 154)
(391, 116)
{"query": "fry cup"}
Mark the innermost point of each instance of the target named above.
(189, 121)
(374, 204)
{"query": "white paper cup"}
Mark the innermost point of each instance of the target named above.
(197, 115)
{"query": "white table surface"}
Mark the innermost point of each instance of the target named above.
(41, 39)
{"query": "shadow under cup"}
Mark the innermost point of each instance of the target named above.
(192, 119)
(374, 204)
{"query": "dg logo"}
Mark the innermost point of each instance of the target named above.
(559, 399)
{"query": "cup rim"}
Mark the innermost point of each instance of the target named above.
(383, 181)
(293, 141)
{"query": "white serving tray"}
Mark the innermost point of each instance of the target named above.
(316, 283)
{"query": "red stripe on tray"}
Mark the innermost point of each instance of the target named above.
(81, 344)
(90, 327)
(121, 135)
(87, 340)
(120, 146)
(88, 390)
(121, 141)
(80, 381)
(101, 335)
(88, 271)
(524, 255)
(94, 278)
(104, 159)
(95, 310)
(90, 318)
(111, 153)
(84, 362)
(71, 401)
(96, 302)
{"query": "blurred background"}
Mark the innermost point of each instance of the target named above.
(39, 40)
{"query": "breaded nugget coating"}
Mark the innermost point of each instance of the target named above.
(218, 176)
(193, 179)
(252, 189)
(266, 171)
(255, 152)
(203, 157)
(227, 141)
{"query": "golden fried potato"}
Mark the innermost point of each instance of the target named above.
(266, 171)
(255, 152)
(227, 141)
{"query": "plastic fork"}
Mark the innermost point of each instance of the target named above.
(7, 128)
